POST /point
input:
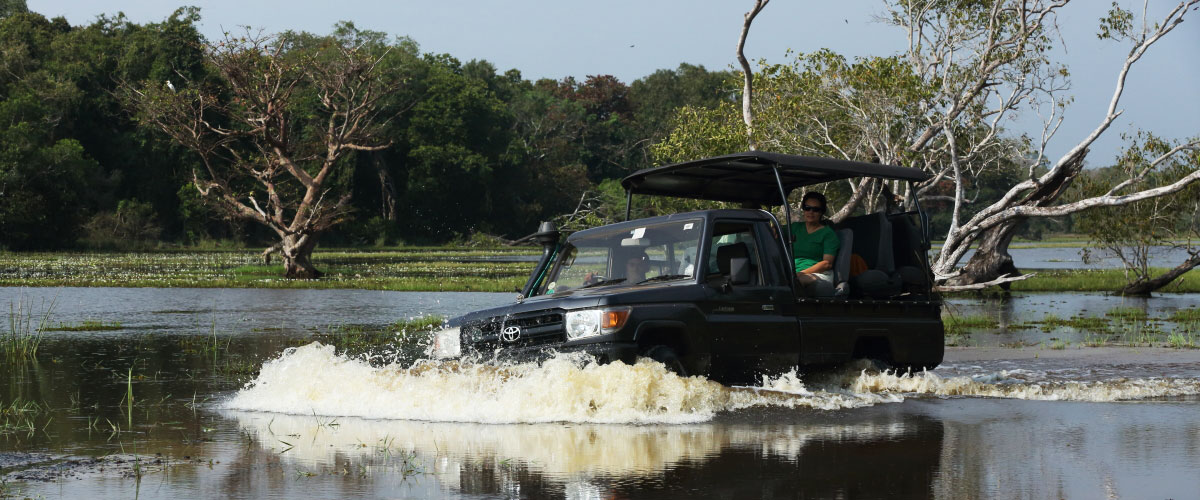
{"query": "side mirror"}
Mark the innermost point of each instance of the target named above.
(739, 271)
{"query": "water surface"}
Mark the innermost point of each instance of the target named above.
(990, 423)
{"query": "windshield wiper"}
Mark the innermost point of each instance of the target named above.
(665, 277)
(603, 282)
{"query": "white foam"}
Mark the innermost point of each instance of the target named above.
(1005, 385)
(313, 379)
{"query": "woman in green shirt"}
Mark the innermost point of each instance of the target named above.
(815, 243)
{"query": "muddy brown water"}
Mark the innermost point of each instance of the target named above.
(991, 423)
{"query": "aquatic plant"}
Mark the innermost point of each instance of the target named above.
(1191, 314)
(402, 269)
(959, 324)
(86, 326)
(401, 342)
(410, 270)
(19, 416)
(1096, 340)
(25, 329)
(1051, 321)
(1182, 340)
(1092, 280)
(1130, 313)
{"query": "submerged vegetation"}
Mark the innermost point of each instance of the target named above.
(86, 326)
(1094, 280)
(400, 342)
(1118, 326)
(25, 329)
(960, 324)
(403, 269)
(408, 269)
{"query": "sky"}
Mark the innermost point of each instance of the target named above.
(632, 38)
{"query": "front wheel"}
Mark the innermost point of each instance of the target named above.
(668, 357)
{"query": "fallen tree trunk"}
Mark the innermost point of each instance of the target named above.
(1144, 287)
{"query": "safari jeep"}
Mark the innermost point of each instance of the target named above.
(713, 292)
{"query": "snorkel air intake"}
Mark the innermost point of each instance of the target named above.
(547, 235)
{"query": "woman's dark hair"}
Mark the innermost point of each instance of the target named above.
(813, 195)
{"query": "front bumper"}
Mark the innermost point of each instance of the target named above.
(604, 352)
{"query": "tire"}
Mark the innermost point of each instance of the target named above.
(668, 358)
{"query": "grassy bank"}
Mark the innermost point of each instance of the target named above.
(415, 269)
(405, 269)
(1096, 280)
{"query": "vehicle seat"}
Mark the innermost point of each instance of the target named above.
(841, 269)
(725, 253)
(909, 251)
(873, 242)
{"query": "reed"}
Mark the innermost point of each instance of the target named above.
(25, 329)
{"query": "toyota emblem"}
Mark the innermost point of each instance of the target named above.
(510, 333)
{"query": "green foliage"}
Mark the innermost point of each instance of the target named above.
(132, 224)
(11, 7)
(957, 325)
(474, 150)
(1117, 25)
(1134, 232)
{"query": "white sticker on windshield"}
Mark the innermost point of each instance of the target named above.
(687, 226)
(639, 232)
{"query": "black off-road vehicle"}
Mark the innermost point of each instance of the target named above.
(713, 292)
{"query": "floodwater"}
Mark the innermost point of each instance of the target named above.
(268, 414)
(1070, 258)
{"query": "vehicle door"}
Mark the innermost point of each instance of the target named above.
(746, 322)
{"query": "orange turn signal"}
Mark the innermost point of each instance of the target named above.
(614, 318)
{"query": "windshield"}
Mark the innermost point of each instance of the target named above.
(654, 252)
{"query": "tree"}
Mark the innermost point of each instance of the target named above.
(1017, 74)
(48, 182)
(274, 131)
(1134, 232)
(747, 73)
(943, 105)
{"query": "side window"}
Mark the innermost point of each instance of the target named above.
(734, 235)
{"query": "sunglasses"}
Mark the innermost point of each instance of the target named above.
(810, 208)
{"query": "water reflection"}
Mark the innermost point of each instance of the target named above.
(875, 454)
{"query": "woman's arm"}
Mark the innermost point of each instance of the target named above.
(826, 264)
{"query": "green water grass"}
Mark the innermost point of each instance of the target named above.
(401, 269)
(25, 330)
(960, 324)
(86, 326)
(1189, 315)
(1128, 313)
(402, 341)
(1097, 280)
(409, 269)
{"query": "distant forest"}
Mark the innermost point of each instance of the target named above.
(474, 151)
(477, 151)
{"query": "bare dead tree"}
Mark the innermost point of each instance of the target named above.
(273, 132)
(747, 73)
(992, 228)
(975, 66)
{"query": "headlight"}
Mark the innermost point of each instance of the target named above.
(446, 344)
(591, 322)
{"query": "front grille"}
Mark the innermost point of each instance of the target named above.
(537, 328)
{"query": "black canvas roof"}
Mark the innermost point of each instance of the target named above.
(749, 177)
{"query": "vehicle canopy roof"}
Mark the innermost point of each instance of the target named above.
(749, 177)
(706, 215)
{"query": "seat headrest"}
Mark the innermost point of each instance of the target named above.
(731, 251)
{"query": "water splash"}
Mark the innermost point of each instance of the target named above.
(1019, 385)
(313, 379)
